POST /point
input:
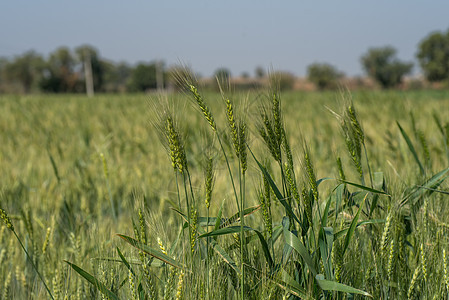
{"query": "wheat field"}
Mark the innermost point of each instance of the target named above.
(201, 195)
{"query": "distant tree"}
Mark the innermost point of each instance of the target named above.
(161, 75)
(245, 75)
(3, 62)
(123, 71)
(93, 68)
(382, 65)
(25, 69)
(259, 72)
(221, 78)
(282, 80)
(62, 61)
(324, 76)
(433, 55)
(60, 74)
(222, 74)
(143, 77)
(110, 77)
(115, 76)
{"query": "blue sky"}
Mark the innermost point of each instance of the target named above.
(286, 35)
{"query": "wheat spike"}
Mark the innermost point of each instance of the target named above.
(203, 107)
(4, 216)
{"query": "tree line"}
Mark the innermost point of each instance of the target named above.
(67, 71)
(382, 65)
(64, 71)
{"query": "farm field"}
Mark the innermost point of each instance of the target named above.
(343, 195)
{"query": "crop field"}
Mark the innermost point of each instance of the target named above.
(201, 195)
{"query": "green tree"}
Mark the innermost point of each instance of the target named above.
(143, 77)
(25, 70)
(245, 75)
(3, 63)
(382, 65)
(259, 72)
(60, 72)
(88, 54)
(282, 80)
(123, 71)
(324, 76)
(115, 76)
(221, 79)
(433, 55)
(222, 76)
